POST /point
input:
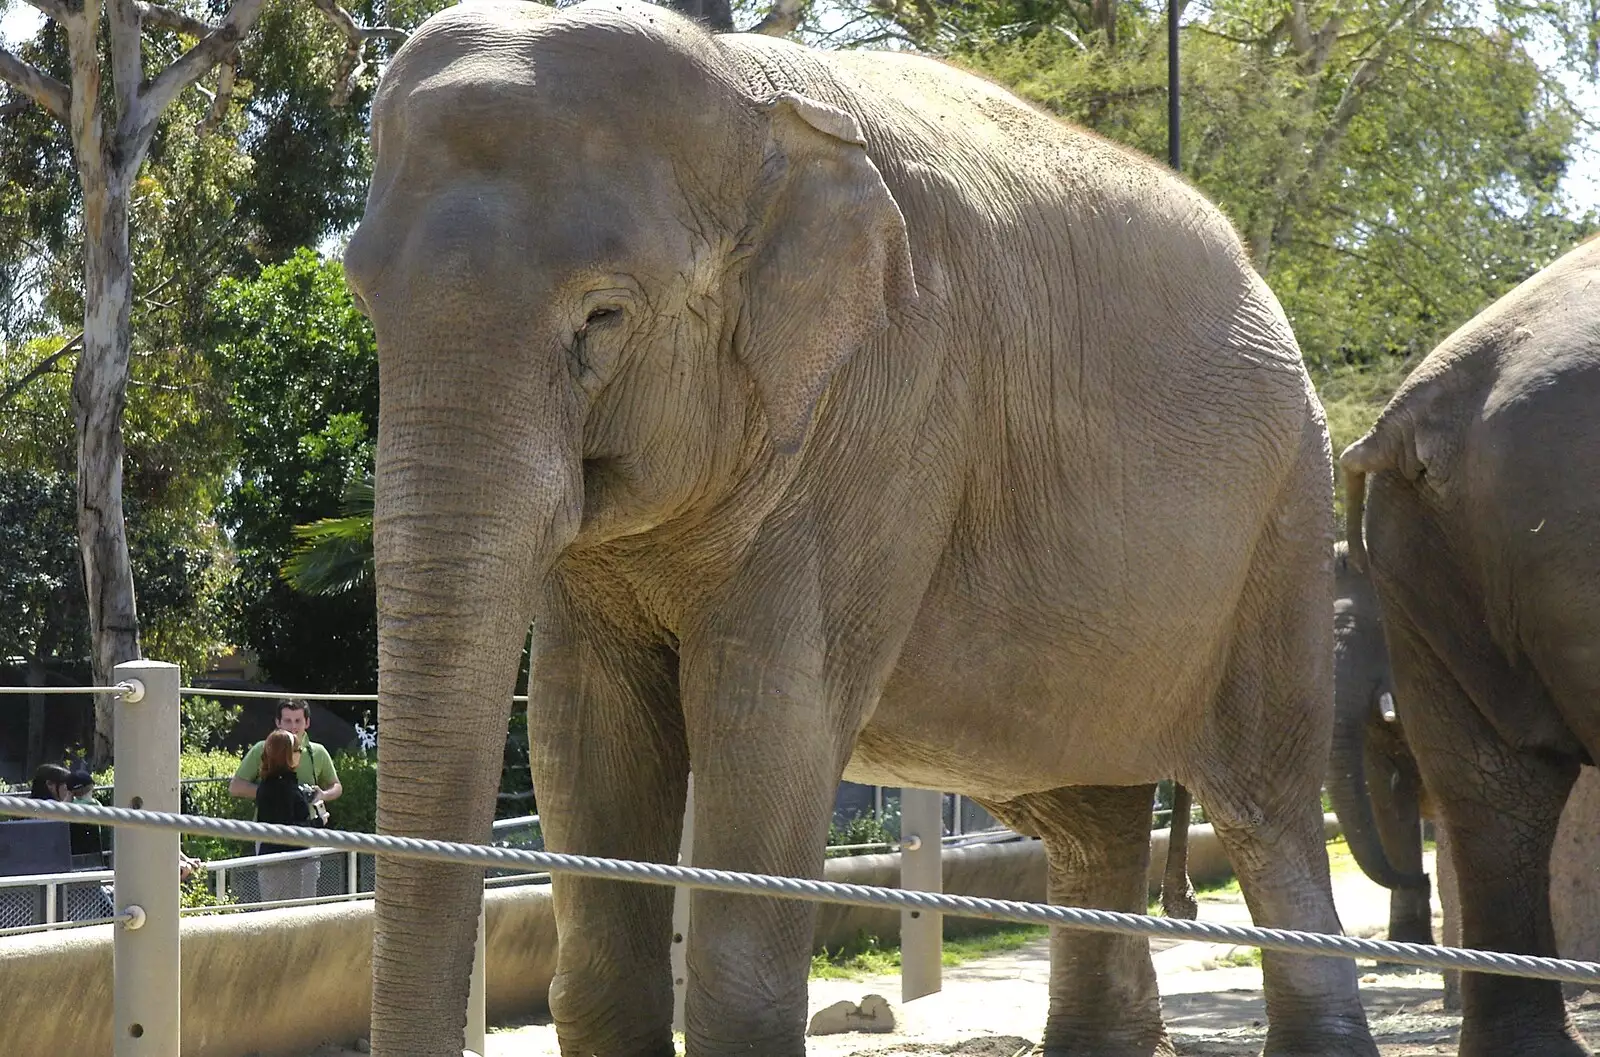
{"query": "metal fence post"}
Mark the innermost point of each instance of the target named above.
(921, 931)
(146, 996)
(680, 915)
(477, 997)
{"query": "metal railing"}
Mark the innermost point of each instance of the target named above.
(40, 902)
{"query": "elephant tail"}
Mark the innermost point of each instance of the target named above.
(1373, 453)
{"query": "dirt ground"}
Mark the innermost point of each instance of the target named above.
(1405, 1012)
(1211, 999)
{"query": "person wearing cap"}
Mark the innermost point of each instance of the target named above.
(87, 838)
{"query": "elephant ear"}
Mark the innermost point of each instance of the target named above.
(829, 259)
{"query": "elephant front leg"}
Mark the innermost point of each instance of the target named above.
(610, 770)
(765, 773)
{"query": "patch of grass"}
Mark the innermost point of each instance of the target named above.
(868, 956)
(1230, 887)
(1007, 938)
(1240, 957)
(1339, 858)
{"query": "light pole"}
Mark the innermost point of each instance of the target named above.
(1174, 155)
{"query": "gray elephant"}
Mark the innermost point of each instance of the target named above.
(1481, 490)
(829, 415)
(1373, 779)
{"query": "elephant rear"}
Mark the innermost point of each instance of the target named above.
(1473, 502)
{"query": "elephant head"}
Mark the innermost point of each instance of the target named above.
(592, 263)
(1365, 722)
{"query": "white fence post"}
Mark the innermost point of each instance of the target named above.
(680, 915)
(146, 995)
(921, 931)
(477, 998)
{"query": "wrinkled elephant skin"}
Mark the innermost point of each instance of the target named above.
(827, 414)
(1481, 490)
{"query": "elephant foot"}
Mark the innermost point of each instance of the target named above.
(1100, 1044)
(579, 1048)
(1499, 1043)
(1341, 1039)
(1163, 1050)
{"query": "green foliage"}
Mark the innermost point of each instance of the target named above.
(206, 722)
(300, 368)
(333, 556)
(864, 828)
(356, 809)
(40, 577)
(175, 568)
(196, 892)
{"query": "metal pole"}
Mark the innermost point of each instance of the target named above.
(1174, 152)
(477, 998)
(147, 990)
(680, 915)
(921, 931)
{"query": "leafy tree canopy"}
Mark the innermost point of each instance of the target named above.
(300, 366)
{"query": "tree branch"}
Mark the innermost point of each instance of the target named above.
(40, 369)
(781, 19)
(52, 9)
(1349, 105)
(40, 87)
(189, 68)
(1208, 31)
(177, 21)
(351, 66)
(223, 96)
(127, 68)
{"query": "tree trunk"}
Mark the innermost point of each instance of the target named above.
(99, 392)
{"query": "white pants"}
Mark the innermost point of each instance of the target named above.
(296, 879)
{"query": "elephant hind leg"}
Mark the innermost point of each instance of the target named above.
(1103, 997)
(1501, 807)
(1258, 768)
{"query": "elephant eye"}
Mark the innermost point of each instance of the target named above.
(601, 316)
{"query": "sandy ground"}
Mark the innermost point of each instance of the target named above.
(995, 1006)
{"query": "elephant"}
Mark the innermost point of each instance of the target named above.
(1373, 779)
(1472, 504)
(827, 416)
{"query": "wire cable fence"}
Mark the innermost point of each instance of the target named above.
(1285, 940)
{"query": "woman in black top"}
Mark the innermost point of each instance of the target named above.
(281, 799)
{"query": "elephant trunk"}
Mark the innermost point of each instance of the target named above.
(464, 532)
(1347, 788)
